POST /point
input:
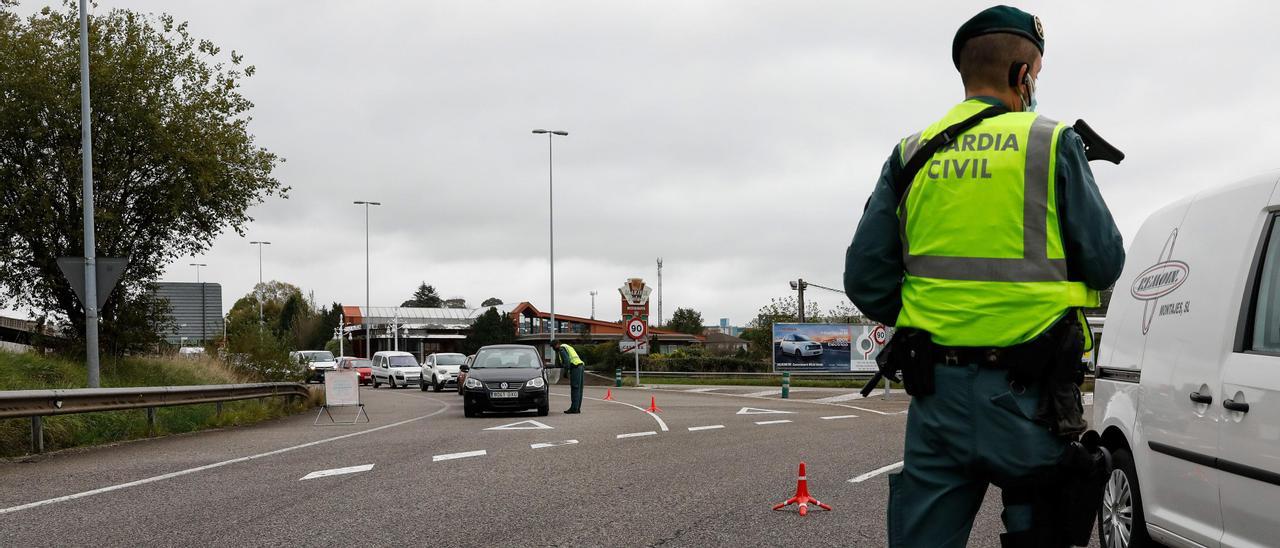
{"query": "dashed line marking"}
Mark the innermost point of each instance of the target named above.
(773, 422)
(703, 390)
(759, 411)
(552, 444)
(708, 427)
(841, 397)
(876, 472)
(337, 472)
(462, 455)
(834, 417)
(637, 434)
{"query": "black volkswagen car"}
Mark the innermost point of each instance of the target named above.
(505, 377)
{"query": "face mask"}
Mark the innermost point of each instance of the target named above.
(1029, 103)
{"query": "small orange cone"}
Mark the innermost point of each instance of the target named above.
(608, 395)
(653, 405)
(802, 497)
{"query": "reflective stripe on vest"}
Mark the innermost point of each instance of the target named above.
(981, 240)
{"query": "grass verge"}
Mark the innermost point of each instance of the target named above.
(29, 371)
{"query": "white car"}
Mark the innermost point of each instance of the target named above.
(395, 369)
(317, 362)
(800, 346)
(440, 370)
(1187, 395)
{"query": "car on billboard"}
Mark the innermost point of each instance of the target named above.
(800, 346)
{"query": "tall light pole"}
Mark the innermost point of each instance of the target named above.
(86, 171)
(593, 304)
(203, 313)
(364, 318)
(551, 222)
(800, 285)
(258, 291)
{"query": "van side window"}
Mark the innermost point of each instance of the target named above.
(1266, 305)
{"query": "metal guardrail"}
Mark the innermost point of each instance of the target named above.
(38, 404)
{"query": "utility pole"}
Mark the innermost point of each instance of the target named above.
(593, 305)
(364, 318)
(659, 291)
(258, 290)
(203, 313)
(800, 285)
(86, 170)
(551, 221)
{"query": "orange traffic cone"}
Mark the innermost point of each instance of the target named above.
(653, 405)
(608, 395)
(802, 497)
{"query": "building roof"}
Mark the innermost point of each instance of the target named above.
(438, 318)
(529, 309)
(716, 337)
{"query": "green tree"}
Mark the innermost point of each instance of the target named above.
(491, 301)
(490, 328)
(424, 297)
(686, 320)
(174, 163)
(784, 310)
(456, 302)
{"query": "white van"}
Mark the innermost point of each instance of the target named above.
(1188, 378)
(396, 369)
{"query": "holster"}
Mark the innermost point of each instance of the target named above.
(1085, 467)
(910, 351)
(1053, 362)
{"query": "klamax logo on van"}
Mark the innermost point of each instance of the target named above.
(1160, 280)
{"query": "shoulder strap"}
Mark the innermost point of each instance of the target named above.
(934, 144)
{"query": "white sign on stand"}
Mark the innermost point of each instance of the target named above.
(342, 389)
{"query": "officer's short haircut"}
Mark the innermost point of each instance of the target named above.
(985, 60)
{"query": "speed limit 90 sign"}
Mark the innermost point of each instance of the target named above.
(636, 329)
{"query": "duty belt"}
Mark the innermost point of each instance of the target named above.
(986, 357)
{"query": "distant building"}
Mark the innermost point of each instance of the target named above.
(419, 331)
(725, 328)
(720, 342)
(196, 311)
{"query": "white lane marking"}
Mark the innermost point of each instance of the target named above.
(337, 472)
(637, 434)
(841, 397)
(661, 424)
(462, 455)
(712, 389)
(552, 444)
(834, 417)
(876, 472)
(770, 392)
(773, 422)
(758, 411)
(812, 402)
(161, 477)
(522, 425)
(708, 427)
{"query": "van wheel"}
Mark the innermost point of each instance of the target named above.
(376, 383)
(1120, 520)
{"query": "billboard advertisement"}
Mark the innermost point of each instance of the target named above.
(827, 348)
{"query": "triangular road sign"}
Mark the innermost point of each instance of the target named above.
(757, 411)
(109, 271)
(522, 425)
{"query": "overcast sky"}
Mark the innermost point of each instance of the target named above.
(737, 140)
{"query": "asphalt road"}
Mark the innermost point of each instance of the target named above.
(701, 472)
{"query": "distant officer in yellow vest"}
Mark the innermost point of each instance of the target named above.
(981, 242)
(573, 369)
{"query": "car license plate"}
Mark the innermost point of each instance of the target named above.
(503, 394)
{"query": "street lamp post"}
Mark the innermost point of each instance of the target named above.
(90, 300)
(800, 285)
(551, 222)
(364, 318)
(593, 304)
(258, 290)
(203, 312)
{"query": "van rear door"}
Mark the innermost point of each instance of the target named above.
(1249, 456)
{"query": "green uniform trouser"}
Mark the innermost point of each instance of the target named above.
(973, 431)
(575, 387)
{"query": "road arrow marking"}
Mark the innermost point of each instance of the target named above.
(773, 422)
(464, 455)
(758, 411)
(552, 444)
(522, 425)
(876, 472)
(337, 472)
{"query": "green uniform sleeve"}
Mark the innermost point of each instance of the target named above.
(873, 263)
(1094, 247)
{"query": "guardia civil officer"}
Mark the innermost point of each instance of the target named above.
(572, 369)
(983, 239)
